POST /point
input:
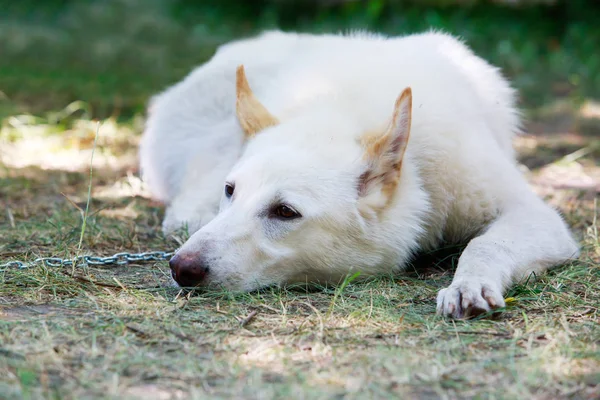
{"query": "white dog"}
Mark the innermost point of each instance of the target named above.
(349, 153)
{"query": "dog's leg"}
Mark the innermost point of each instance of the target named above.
(526, 238)
(191, 210)
(197, 203)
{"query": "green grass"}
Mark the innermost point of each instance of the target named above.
(121, 332)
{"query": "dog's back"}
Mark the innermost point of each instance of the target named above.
(287, 69)
(368, 71)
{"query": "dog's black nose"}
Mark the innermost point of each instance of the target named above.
(188, 270)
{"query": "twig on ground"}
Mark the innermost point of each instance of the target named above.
(481, 333)
(249, 318)
(137, 330)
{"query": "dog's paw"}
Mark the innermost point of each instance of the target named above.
(470, 297)
(191, 223)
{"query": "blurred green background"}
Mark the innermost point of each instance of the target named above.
(114, 54)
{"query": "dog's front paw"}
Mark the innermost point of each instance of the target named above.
(173, 222)
(466, 298)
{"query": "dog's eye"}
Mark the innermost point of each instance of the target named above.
(229, 190)
(284, 212)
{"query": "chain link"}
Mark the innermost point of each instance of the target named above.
(116, 259)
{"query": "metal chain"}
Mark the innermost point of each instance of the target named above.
(116, 259)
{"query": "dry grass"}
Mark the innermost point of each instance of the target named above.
(119, 332)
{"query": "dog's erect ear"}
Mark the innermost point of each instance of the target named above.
(384, 154)
(251, 114)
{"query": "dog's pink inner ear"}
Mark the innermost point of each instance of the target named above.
(252, 115)
(384, 152)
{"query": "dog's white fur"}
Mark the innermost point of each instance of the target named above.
(458, 179)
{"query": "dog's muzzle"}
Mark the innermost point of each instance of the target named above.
(188, 270)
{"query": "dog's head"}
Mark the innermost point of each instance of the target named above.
(304, 202)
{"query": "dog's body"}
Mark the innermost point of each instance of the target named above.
(323, 179)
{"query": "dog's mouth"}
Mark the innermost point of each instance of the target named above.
(216, 288)
(189, 288)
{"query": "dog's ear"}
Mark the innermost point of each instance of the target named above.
(384, 154)
(252, 115)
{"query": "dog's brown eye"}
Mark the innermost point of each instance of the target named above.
(229, 190)
(284, 212)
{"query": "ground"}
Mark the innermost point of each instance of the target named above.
(122, 332)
